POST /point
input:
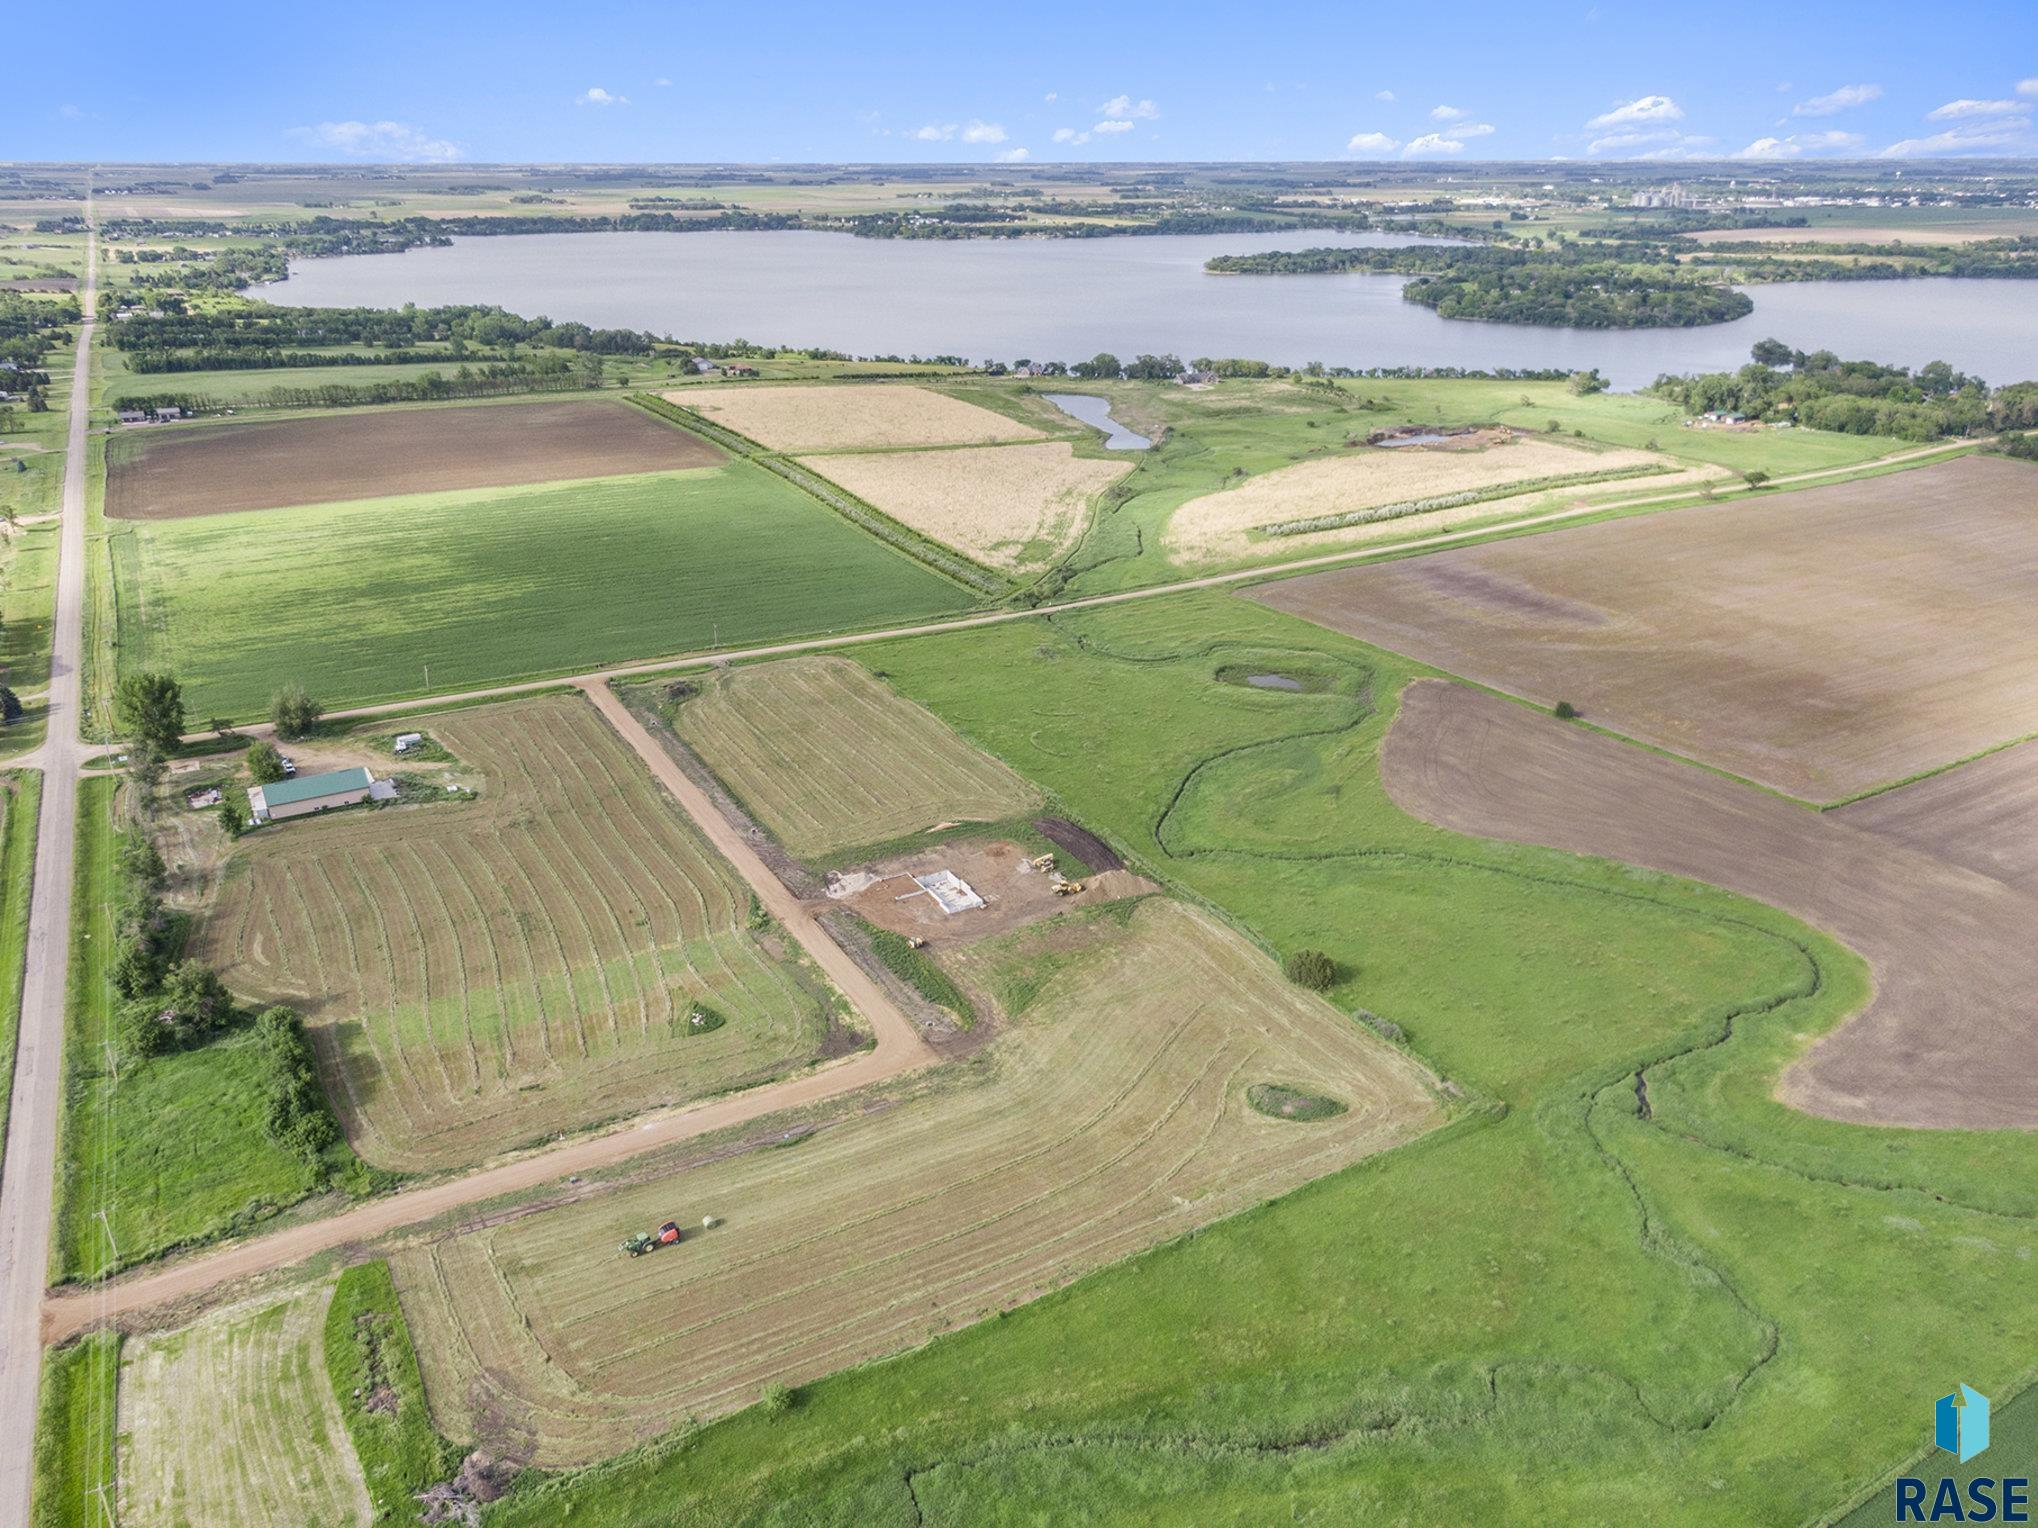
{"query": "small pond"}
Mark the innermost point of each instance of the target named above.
(1426, 439)
(1096, 412)
(1273, 682)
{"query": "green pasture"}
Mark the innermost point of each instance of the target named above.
(357, 600)
(1557, 1308)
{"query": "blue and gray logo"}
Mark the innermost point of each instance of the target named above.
(1960, 1423)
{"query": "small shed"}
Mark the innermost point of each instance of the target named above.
(309, 793)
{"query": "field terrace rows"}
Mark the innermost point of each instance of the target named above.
(829, 758)
(271, 1448)
(1110, 1116)
(479, 976)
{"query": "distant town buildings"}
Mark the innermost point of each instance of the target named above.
(1672, 195)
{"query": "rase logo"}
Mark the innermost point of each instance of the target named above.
(1960, 1427)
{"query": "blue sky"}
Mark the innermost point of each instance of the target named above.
(517, 81)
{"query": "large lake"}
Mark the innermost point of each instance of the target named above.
(1067, 299)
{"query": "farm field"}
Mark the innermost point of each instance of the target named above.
(1211, 444)
(270, 1447)
(478, 976)
(1015, 507)
(1823, 642)
(1591, 1280)
(159, 473)
(829, 758)
(1110, 1115)
(491, 585)
(1942, 1044)
(850, 416)
(1225, 526)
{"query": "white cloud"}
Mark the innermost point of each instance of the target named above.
(1116, 125)
(1767, 148)
(1384, 95)
(2027, 87)
(1372, 145)
(1650, 143)
(1447, 113)
(1846, 98)
(1433, 143)
(983, 132)
(1014, 156)
(661, 82)
(1989, 135)
(1648, 108)
(1050, 97)
(1124, 109)
(596, 96)
(384, 142)
(1799, 143)
(1954, 111)
(1469, 130)
(1070, 135)
(934, 132)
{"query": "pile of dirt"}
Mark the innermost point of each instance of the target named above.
(1072, 838)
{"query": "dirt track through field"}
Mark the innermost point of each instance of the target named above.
(1948, 1039)
(1108, 1116)
(900, 1049)
(169, 474)
(1823, 642)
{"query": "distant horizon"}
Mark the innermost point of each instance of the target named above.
(1658, 169)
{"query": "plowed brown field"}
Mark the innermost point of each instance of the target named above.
(479, 976)
(1823, 642)
(1110, 1115)
(329, 458)
(1948, 1038)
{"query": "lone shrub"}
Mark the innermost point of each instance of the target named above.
(1565, 711)
(777, 1399)
(294, 712)
(1310, 968)
(265, 764)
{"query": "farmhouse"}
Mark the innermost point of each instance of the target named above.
(312, 793)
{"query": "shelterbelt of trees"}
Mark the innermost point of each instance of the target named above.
(1821, 391)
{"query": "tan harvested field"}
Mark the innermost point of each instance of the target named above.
(1822, 642)
(1014, 507)
(479, 976)
(168, 474)
(233, 1421)
(1221, 525)
(848, 416)
(829, 757)
(1947, 1040)
(1110, 1115)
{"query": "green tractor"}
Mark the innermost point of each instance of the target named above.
(650, 1241)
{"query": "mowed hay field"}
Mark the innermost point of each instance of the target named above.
(829, 757)
(490, 585)
(1822, 642)
(1110, 1115)
(1223, 525)
(478, 976)
(850, 416)
(264, 464)
(233, 1420)
(1013, 507)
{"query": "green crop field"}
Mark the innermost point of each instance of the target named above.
(356, 600)
(1565, 1307)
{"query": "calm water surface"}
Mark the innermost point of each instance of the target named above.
(1096, 413)
(1067, 299)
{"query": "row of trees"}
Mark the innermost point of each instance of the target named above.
(1821, 391)
(262, 327)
